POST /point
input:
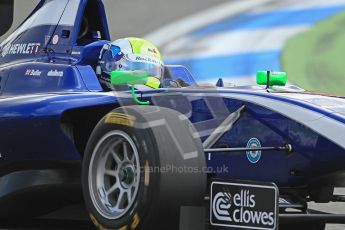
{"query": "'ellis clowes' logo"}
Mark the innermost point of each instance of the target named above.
(221, 205)
(222, 202)
(240, 205)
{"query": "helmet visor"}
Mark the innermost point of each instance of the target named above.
(131, 62)
(152, 66)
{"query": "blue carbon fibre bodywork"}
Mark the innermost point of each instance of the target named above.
(43, 86)
(35, 122)
(313, 153)
(31, 125)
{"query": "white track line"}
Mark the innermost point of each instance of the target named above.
(300, 5)
(179, 28)
(233, 42)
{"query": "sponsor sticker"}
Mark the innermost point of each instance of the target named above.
(253, 156)
(76, 52)
(55, 39)
(21, 48)
(46, 39)
(136, 221)
(99, 226)
(55, 73)
(33, 72)
(152, 50)
(142, 58)
(119, 118)
(244, 205)
(146, 174)
(283, 201)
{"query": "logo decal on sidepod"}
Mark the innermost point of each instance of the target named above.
(55, 73)
(253, 156)
(33, 72)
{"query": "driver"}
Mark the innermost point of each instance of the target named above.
(129, 54)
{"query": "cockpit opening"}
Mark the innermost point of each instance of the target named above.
(92, 27)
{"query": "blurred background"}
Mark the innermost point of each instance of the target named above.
(233, 39)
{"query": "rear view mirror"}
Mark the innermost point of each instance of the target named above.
(269, 78)
(128, 77)
(134, 78)
(6, 15)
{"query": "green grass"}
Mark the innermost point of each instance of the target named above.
(315, 60)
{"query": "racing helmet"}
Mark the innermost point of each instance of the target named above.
(129, 54)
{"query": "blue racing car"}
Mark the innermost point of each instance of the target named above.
(174, 156)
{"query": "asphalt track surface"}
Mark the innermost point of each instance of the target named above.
(128, 18)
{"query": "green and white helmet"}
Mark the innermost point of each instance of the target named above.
(130, 54)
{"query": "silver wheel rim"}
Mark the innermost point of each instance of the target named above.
(114, 174)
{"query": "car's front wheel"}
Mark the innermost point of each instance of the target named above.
(141, 164)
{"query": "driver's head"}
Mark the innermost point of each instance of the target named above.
(130, 54)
